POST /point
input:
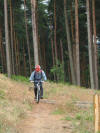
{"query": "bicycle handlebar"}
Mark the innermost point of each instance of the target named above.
(38, 81)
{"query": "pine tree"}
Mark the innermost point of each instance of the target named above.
(8, 56)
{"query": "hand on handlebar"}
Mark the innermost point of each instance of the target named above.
(32, 81)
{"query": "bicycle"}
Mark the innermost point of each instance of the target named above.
(38, 90)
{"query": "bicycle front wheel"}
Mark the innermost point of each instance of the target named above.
(38, 96)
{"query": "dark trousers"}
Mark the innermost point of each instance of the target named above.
(41, 90)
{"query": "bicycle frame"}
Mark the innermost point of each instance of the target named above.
(38, 90)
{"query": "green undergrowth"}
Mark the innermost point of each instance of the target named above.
(58, 111)
(20, 78)
(2, 94)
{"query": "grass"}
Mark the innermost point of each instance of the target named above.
(15, 107)
(18, 113)
(15, 101)
(29, 105)
(58, 111)
(82, 119)
(78, 116)
(74, 98)
(20, 78)
(2, 94)
(68, 118)
(6, 126)
(70, 107)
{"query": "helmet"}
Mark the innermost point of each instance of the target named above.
(37, 68)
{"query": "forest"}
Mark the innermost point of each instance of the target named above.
(63, 36)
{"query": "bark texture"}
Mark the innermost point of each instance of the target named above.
(77, 43)
(90, 46)
(35, 43)
(27, 36)
(69, 45)
(95, 47)
(8, 58)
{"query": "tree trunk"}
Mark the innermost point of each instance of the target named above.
(38, 37)
(90, 47)
(36, 54)
(24, 60)
(69, 45)
(27, 37)
(44, 55)
(69, 72)
(16, 53)
(1, 54)
(53, 58)
(62, 53)
(62, 57)
(95, 47)
(3, 58)
(73, 40)
(15, 49)
(55, 28)
(52, 48)
(7, 40)
(77, 44)
(11, 31)
(83, 68)
(18, 57)
(72, 25)
(39, 50)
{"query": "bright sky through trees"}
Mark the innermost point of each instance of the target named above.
(45, 1)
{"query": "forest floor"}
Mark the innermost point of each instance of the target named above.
(64, 109)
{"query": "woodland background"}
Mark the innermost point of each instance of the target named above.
(60, 35)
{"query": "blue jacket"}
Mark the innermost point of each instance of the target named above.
(34, 76)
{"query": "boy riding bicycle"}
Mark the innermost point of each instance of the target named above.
(37, 76)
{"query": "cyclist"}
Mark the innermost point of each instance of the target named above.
(37, 76)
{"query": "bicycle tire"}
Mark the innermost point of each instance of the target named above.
(38, 96)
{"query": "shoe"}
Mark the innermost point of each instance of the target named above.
(42, 97)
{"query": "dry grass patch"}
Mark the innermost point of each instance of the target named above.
(15, 101)
(66, 96)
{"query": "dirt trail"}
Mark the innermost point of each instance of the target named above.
(41, 120)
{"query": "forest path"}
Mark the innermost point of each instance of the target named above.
(66, 109)
(42, 120)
